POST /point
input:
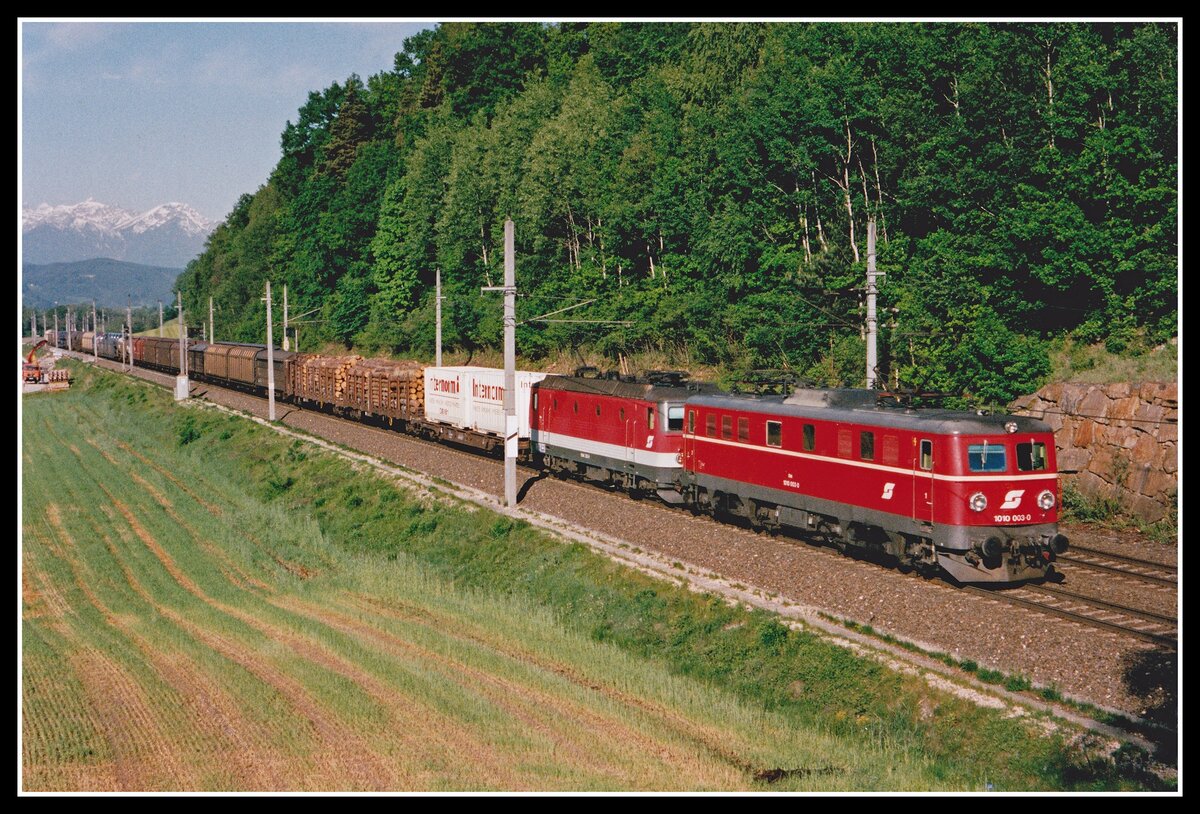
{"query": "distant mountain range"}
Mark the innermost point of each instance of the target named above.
(169, 235)
(108, 282)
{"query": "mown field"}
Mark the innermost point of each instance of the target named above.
(207, 606)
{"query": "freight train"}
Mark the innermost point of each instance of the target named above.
(968, 495)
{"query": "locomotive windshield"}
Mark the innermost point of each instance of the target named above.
(986, 457)
(674, 418)
(1031, 456)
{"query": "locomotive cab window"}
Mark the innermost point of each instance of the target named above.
(866, 446)
(810, 437)
(774, 434)
(927, 455)
(674, 418)
(986, 457)
(1031, 456)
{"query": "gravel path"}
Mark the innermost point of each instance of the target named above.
(1080, 662)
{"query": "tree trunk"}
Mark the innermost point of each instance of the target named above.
(817, 209)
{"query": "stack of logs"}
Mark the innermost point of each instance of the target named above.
(322, 379)
(385, 387)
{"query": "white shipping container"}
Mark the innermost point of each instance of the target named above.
(445, 395)
(473, 398)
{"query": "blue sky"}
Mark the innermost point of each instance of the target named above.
(136, 114)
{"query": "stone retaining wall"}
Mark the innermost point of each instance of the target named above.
(1115, 441)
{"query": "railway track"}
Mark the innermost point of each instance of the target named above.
(1096, 613)
(1133, 567)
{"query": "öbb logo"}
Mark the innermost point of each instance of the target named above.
(1013, 499)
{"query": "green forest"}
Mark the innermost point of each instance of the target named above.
(710, 186)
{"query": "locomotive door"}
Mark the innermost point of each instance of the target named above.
(922, 486)
(633, 438)
(543, 409)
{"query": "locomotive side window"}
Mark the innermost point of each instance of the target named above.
(727, 427)
(810, 437)
(743, 429)
(843, 443)
(986, 457)
(1031, 456)
(866, 446)
(927, 455)
(577, 406)
(710, 425)
(535, 395)
(674, 419)
(691, 421)
(891, 449)
(597, 411)
(621, 414)
(774, 434)
(650, 418)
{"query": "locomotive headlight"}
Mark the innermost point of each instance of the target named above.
(977, 502)
(1046, 500)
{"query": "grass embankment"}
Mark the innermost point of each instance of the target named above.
(209, 606)
(1075, 362)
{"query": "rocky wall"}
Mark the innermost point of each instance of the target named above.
(1115, 441)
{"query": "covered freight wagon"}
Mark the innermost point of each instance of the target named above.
(245, 365)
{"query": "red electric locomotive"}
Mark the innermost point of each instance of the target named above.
(620, 432)
(974, 494)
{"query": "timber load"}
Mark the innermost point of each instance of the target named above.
(320, 379)
(385, 387)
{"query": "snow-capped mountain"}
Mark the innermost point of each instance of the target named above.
(167, 235)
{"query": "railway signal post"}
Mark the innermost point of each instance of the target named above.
(438, 317)
(181, 381)
(270, 361)
(128, 334)
(872, 320)
(510, 366)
